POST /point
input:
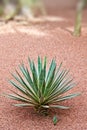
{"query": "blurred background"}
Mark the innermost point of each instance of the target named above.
(10, 8)
(52, 4)
(32, 9)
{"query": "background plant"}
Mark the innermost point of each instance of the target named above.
(80, 6)
(28, 8)
(40, 88)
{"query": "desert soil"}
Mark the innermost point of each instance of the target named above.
(51, 38)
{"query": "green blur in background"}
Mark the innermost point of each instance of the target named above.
(29, 8)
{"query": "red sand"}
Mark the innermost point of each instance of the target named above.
(50, 40)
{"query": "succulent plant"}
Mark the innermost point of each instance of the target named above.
(40, 87)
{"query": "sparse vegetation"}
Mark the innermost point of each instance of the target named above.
(80, 6)
(41, 89)
(28, 8)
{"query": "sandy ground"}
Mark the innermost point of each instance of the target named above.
(52, 39)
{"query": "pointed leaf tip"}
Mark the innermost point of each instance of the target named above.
(55, 120)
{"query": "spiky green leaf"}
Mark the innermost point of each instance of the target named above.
(40, 88)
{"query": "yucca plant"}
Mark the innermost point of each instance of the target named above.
(40, 88)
